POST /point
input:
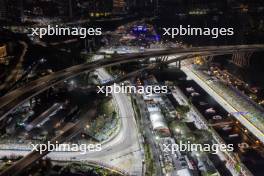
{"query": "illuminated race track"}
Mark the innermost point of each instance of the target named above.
(125, 142)
(113, 148)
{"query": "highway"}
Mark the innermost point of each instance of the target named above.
(17, 97)
(42, 117)
(34, 156)
(125, 143)
(123, 151)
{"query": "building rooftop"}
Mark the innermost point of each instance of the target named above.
(157, 120)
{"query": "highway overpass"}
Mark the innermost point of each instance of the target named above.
(10, 101)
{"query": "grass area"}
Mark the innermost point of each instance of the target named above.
(86, 57)
(106, 107)
(136, 109)
(88, 169)
(182, 110)
(106, 122)
(4, 166)
(149, 161)
(186, 134)
(47, 167)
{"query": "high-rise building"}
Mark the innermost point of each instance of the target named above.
(172, 7)
(98, 8)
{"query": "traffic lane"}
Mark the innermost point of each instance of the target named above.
(219, 111)
(226, 105)
(127, 121)
(21, 96)
(128, 134)
(46, 82)
(126, 140)
(129, 58)
(248, 157)
(29, 159)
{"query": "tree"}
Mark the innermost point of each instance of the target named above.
(182, 110)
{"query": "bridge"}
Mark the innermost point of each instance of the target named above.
(10, 101)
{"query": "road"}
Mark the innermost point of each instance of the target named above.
(122, 152)
(225, 101)
(201, 122)
(126, 143)
(34, 156)
(17, 97)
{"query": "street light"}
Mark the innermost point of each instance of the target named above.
(72, 82)
(42, 60)
(177, 130)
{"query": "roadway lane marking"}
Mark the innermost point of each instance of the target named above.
(226, 103)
